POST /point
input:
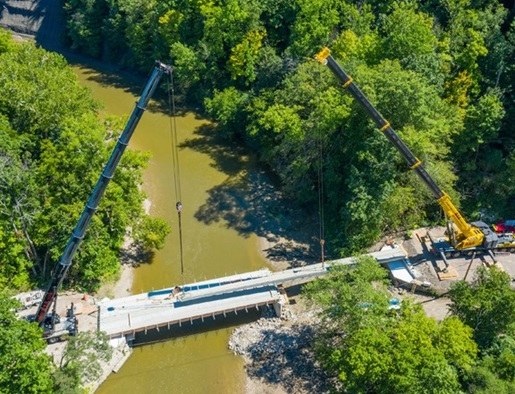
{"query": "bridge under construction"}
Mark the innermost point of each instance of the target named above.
(165, 308)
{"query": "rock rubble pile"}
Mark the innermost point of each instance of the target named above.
(279, 351)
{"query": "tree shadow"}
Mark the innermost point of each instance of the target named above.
(130, 82)
(108, 77)
(286, 358)
(250, 201)
(134, 254)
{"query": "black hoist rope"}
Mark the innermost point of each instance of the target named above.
(175, 162)
(178, 207)
(321, 201)
(320, 187)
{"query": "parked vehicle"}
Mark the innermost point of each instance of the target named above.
(504, 226)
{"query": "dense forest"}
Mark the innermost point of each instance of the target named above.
(442, 72)
(53, 146)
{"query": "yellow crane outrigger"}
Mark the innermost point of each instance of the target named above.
(467, 235)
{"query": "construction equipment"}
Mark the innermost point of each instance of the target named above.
(54, 328)
(469, 236)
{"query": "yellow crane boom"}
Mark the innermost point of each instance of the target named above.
(467, 235)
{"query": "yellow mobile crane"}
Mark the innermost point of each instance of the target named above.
(476, 235)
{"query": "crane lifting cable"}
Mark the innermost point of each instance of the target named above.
(175, 161)
(321, 200)
(320, 188)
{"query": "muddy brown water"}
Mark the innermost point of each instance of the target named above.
(195, 361)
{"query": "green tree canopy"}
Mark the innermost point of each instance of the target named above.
(372, 348)
(80, 363)
(486, 305)
(24, 367)
(440, 71)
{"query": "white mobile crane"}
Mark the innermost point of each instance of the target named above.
(475, 236)
(54, 328)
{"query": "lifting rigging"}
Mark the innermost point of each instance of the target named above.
(469, 236)
(175, 161)
(320, 188)
(49, 298)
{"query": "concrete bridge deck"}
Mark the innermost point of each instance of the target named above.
(133, 318)
(208, 299)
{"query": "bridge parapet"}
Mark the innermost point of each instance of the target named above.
(171, 306)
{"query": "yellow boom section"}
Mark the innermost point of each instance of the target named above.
(467, 235)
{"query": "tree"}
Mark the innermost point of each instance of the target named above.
(484, 303)
(227, 23)
(6, 42)
(402, 206)
(467, 38)
(371, 348)
(408, 32)
(352, 48)
(244, 56)
(505, 191)
(479, 158)
(17, 210)
(80, 362)
(373, 169)
(83, 22)
(350, 295)
(409, 36)
(150, 233)
(495, 371)
(483, 380)
(314, 21)
(227, 107)
(38, 91)
(500, 357)
(24, 367)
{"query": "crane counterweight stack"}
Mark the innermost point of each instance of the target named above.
(469, 235)
(91, 206)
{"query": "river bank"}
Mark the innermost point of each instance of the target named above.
(129, 260)
(120, 288)
(278, 353)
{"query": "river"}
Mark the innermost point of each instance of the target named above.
(213, 245)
